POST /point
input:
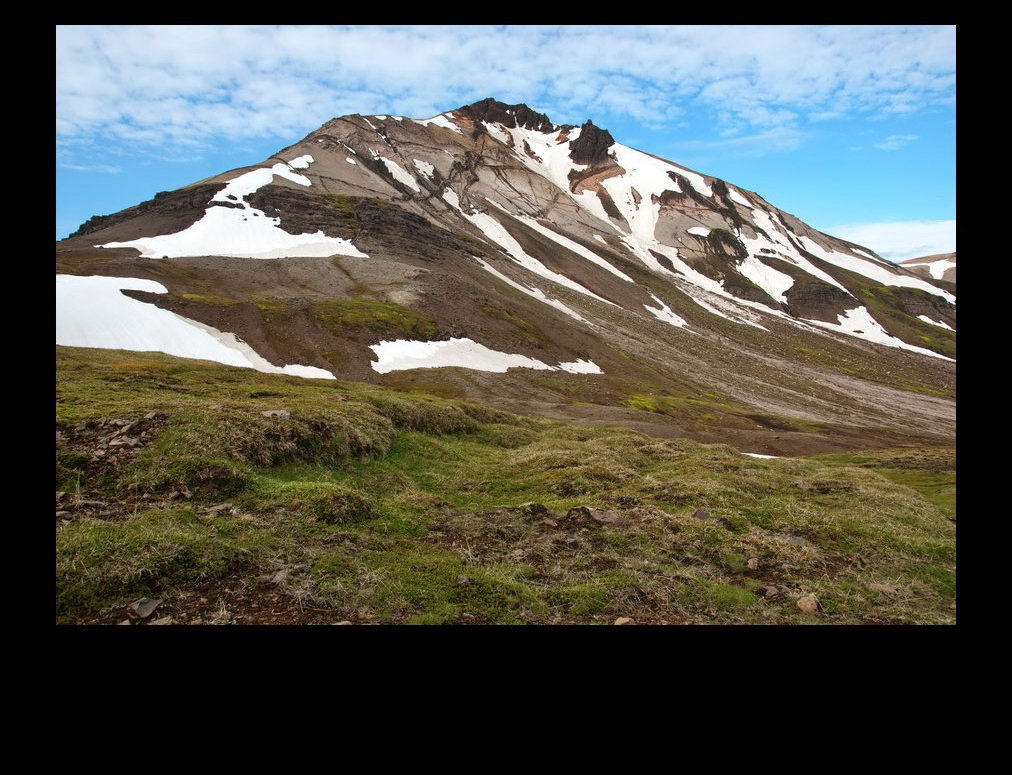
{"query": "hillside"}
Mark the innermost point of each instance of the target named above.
(219, 495)
(941, 266)
(483, 368)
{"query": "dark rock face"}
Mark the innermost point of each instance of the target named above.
(520, 115)
(917, 302)
(817, 300)
(609, 205)
(591, 147)
(303, 213)
(721, 242)
(377, 221)
(184, 206)
(739, 286)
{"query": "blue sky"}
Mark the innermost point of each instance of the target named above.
(852, 129)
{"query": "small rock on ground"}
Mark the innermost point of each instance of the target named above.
(808, 604)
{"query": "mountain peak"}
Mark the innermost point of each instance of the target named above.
(520, 115)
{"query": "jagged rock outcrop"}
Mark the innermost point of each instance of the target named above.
(492, 110)
(591, 147)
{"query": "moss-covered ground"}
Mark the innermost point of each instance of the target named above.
(367, 505)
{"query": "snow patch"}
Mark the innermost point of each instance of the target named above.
(937, 269)
(399, 173)
(939, 323)
(581, 367)
(91, 312)
(738, 198)
(243, 231)
(401, 354)
(497, 132)
(781, 245)
(443, 121)
(699, 231)
(497, 233)
(567, 243)
(424, 167)
(859, 322)
(664, 313)
(775, 283)
(533, 292)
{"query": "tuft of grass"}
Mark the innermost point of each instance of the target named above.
(339, 506)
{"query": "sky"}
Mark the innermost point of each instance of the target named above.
(850, 128)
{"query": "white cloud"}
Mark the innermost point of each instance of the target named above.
(107, 168)
(759, 144)
(185, 86)
(900, 240)
(895, 142)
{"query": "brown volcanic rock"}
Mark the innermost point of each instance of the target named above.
(591, 147)
(493, 111)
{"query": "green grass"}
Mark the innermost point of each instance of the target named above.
(402, 508)
(931, 472)
(341, 315)
(208, 298)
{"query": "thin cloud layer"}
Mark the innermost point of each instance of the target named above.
(185, 87)
(900, 240)
(894, 142)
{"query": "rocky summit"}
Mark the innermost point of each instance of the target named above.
(520, 275)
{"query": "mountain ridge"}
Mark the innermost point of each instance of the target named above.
(483, 221)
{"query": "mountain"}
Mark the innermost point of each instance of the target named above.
(495, 370)
(489, 254)
(941, 266)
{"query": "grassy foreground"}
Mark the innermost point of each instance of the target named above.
(359, 504)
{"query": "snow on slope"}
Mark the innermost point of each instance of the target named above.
(664, 313)
(936, 268)
(533, 292)
(567, 243)
(497, 233)
(774, 282)
(781, 245)
(397, 171)
(877, 273)
(424, 167)
(441, 120)
(243, 231)
(401, 354)
(646, 178)
(91, 312)
(649, 177)
(939, 323)
(859, 322)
